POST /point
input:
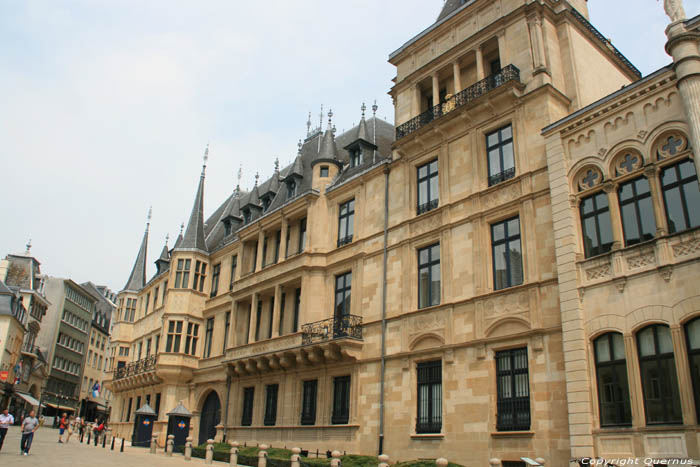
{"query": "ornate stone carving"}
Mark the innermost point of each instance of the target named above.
(686, 248)
(589, 178)
(502, 196)
(598, 272)
(639, 261)
(506, 305)
(674, 10)
(666, 272)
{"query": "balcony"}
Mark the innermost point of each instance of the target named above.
(425, 207)
(344, 241)
(136, 368)
(462, 98)
(500, 177)
(330, 329)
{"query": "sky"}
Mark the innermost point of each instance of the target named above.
(107, 106)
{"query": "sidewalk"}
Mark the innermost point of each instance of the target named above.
(46, 451)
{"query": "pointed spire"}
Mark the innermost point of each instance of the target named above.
(194, 233)
(362, 128)
(137, 278)
(163, 261)
(328, 149)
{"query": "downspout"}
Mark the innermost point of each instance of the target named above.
(228, 398)
(383, 357)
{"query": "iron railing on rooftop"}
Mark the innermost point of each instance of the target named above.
(332, 328)
(476, 90)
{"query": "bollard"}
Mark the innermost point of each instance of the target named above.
(154, 438)
(169, 445)
(122, 448)
(295, 457)
(335, 461)
(442, 462)
(233, 460)
(104, 440)
(383, 460)
(495, 462)
(188, 448)
(97, 438)
(82, 436)
(540, 461)
(89, 435)
(209, 458)
(262, 455)
(113, 443)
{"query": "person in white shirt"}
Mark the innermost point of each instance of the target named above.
(5, 421)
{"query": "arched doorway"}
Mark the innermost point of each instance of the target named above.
(209, 418)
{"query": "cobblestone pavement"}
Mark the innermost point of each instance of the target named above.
(47, 452)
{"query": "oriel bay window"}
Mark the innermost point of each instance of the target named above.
(595, 222)
(191, 340)
(271, 391)
(429, 414)
(172, 344)
(679, 184)
(346, 218)
(247, 416)
(499, 146)
(308, 402)
(692, 335)
(658, 370)
(341, 400)
(513, 390)
(428, 187)
(637, 211)
(611, 372)
(429, 276)
(507, 254)
(182, 273)
(200, 270)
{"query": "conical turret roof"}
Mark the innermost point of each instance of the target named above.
(137, 278)
(194, 233)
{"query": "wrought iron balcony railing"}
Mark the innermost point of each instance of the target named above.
(344, 241)
(136, 368)
(332, 328)
(507, 174)
(425, 207)
(476, 90)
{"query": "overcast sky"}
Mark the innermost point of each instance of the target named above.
(107, 106)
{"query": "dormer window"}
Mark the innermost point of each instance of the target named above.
(356, 157)
(227, 227)
(246, 215)
(324, 171)
(266, 202)
(291, 189)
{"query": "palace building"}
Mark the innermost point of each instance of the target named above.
(507, 272)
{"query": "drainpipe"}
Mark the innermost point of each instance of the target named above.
(383, 359)
(228, 397)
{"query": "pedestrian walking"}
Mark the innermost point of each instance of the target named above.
(81, 428)
(29, 426)
(6, 420)
(62, 424)
(69, 428)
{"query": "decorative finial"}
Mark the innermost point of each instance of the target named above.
(148, 218)
(277, 165)
(308, 126)
(29, 247)
(320, 118)
(206, 158)
(333, 130)
(364, 107)
(374, 108)
(182, 227)
(257, 176)
(299, 146)
(167, 238)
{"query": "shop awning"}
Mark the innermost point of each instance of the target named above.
(61, 407)
(28, 398)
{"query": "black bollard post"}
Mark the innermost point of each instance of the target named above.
(122, 448)
(113, 443)
(82, 435)
(89, 435)
(104, 441)
(97, 438)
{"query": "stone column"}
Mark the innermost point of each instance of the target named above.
(169, 446)
(295, 457)
(283, 239)
(682, 45)
(480, 74)
(188, 448)
(436, 89)
(262, 456)
(253, 317)
(457, 71)
(209, 456)
(233, 459)
(260, 260)
(615, 219)
(276, 311)
(651, 174)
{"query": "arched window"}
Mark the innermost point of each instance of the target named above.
(658, 370)
(692, 335)
(679, 184)
(611, 372)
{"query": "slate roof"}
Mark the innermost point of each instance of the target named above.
(137, 278)
(450, 7)
(179, 411)
(194, 233)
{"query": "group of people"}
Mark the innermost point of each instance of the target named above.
(66, 427)
(29, 425)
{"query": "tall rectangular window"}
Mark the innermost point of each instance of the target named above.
(297, 306)
(215, 272)
(429, 276)
(234, 264)
(247, 417)
(596, 226)
(172, 343)
(128, 409)
(258, 316)
(200, 270)
(513, 389)
(165, 290)
(302, 235)
(692, 336)
(157, 348)
(679, 184)
(657, 367)
(227, 329)
(208, 335)
(264, 252)
(272, 314)
(155, 297)
(278, 241)
(507, 254)
(346, 220)
(282, 304)
(191, 340)
(429, 397)
(308, 403)
(147, 302)
(341, 400)
(611, 372)
(148, 347)
(182, 273)
(428, 187)
(499, 146)
(271, 404)
(157, 407)
(255, 257)
(638, 223)
(343, 283)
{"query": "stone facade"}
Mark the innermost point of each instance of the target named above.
(451, 317)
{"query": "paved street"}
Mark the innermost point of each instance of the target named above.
(46, 451)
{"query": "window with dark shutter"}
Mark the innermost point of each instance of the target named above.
(308, 404)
